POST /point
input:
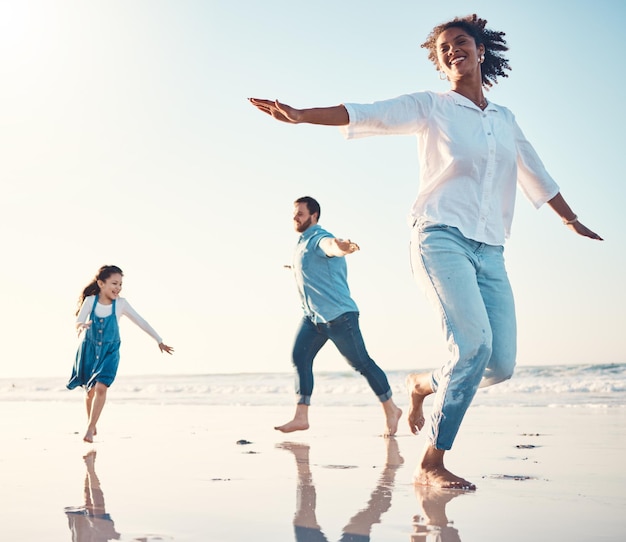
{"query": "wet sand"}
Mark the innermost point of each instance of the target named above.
(222, 474)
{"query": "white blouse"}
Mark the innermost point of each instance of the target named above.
(470, 160)
(122, 308)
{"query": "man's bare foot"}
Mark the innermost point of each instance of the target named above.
(418, 386)
(440, 477)
(392, 417)
(293, 425)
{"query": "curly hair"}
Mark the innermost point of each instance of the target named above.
(493, 41)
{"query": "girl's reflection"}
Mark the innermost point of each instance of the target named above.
(360, 525)
(91, 523)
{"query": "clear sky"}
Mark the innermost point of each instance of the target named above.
(126, 138)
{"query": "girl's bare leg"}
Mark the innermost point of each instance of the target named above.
(95, 403)
(300, 421)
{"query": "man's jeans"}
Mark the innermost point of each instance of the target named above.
(344, 331)
(467, 283)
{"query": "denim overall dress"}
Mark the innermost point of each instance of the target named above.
(98, 355)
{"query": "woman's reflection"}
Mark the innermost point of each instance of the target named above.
(91, 523)
(360, 525)
(433, 525)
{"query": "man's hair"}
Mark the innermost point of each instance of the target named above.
(311, 204)
(493, 41)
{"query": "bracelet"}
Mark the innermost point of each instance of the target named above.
(571, 221)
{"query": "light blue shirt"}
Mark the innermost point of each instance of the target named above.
(322, 281)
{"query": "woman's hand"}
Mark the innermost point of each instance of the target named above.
(164, 348)
(583, 230)
(279, 111)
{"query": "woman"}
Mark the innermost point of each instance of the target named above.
(472, 155)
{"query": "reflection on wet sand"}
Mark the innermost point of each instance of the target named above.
(433, 524)
(91, 523)
(359, 526)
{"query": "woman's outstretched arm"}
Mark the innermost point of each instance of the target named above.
(327, 116)
(561, 208)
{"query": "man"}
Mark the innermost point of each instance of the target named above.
(329, 313)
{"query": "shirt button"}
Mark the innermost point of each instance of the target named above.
(100, 343)
(488, 133)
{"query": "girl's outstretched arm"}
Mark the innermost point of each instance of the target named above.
(164, 348)
(327, 116)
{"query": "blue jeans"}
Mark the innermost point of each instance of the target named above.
(467, 283)
(344, 331)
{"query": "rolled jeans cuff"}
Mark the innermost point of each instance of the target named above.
(385, 396)
(305, 400)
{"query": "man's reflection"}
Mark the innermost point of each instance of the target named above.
(360, 525)
(433, 525)
(91, 523)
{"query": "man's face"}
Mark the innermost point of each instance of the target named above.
(302, 219)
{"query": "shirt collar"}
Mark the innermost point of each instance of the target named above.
(309, 232)
(459, 99)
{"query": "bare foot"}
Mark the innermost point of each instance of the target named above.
(89, 436)
(293, 425)
(418, 386)
(440, 477)
(392, 417)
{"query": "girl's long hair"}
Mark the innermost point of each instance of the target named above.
(92, 288)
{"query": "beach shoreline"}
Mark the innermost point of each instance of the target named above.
(177, 472)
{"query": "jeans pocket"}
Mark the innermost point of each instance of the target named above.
(343, 320)
(427, 227)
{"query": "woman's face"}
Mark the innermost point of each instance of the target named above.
(457, 53)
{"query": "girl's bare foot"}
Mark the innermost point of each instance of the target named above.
(89, 436)
(418, 387)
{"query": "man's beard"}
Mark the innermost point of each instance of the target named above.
(304, 226)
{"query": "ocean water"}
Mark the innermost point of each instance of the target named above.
(597, 386)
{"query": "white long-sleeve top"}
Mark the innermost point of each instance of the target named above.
(122, 308)
(470, 160)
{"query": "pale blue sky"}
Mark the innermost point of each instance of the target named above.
(126, 139)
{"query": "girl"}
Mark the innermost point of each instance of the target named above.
(98, 355)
